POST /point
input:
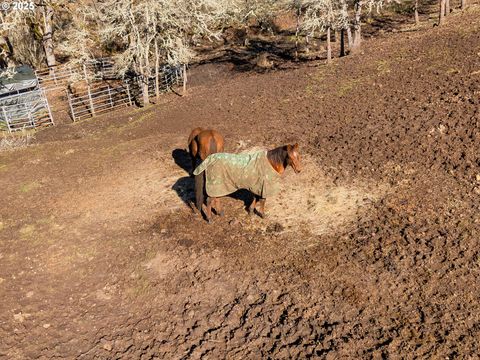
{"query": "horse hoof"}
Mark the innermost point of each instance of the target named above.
(262, 215)
(221, 213)
(209, 221)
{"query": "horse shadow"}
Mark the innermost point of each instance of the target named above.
(182, 159)
(184, 186)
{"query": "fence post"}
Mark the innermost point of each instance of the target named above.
(128, 94)
(71, 106)
(48, 106)
(92, 109)
(110, 96)
(6, 119)
(53, 74)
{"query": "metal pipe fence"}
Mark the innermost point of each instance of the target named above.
(100, 100)
(59, 76)
(25, 111)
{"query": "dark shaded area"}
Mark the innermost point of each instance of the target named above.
(182, 159)
(184, 189)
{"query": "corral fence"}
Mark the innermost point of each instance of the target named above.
(25, 111)
(169, 76)
(99, 100)
(59, 76)
(92, 101)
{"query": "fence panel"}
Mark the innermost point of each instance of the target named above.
(25, 111)
(59, 76)
(98, 101)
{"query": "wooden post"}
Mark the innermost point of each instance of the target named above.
(342, 42)
(329, 46)
(184, 79)
(128, 94)
(92, 108)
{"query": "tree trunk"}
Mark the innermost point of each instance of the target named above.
(184, 79)
(447, 7)
(417, 20)
(349, 37)
(146, 100)
(441, 17)
(297, 32)
(349, 30)
(47, 39)
(357, 30)
(342, 42)
(157, 65)
(329, 46)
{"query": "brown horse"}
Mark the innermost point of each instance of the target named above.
(203, 142)
(278, 159)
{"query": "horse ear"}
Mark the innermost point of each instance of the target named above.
(295, 146)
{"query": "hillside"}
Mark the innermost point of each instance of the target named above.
(371, 252)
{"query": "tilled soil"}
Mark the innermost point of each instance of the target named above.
(371, 252)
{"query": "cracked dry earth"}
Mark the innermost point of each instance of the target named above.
(371, 252)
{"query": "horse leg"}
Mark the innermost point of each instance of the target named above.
(251, 208)
(218, 207)
(193, 154)
(194, 164)
(208, 210)
(261, 212)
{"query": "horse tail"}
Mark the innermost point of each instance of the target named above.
(200, 190)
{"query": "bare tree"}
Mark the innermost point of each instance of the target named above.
(323, 16)
(441, 17)
(417, 20)
(151, 32)
(47, 36)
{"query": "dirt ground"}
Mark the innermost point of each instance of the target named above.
(371, 252)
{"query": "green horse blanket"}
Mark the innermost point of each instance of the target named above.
(227, 173)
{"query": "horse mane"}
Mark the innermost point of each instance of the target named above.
(278, 156)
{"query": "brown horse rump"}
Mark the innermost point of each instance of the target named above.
(227, 173)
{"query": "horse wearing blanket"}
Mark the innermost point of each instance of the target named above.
(222, 174)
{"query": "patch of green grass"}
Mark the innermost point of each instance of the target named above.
(383, 67)
(346, 86)
(25, 188)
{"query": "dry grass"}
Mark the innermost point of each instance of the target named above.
(19, 139)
